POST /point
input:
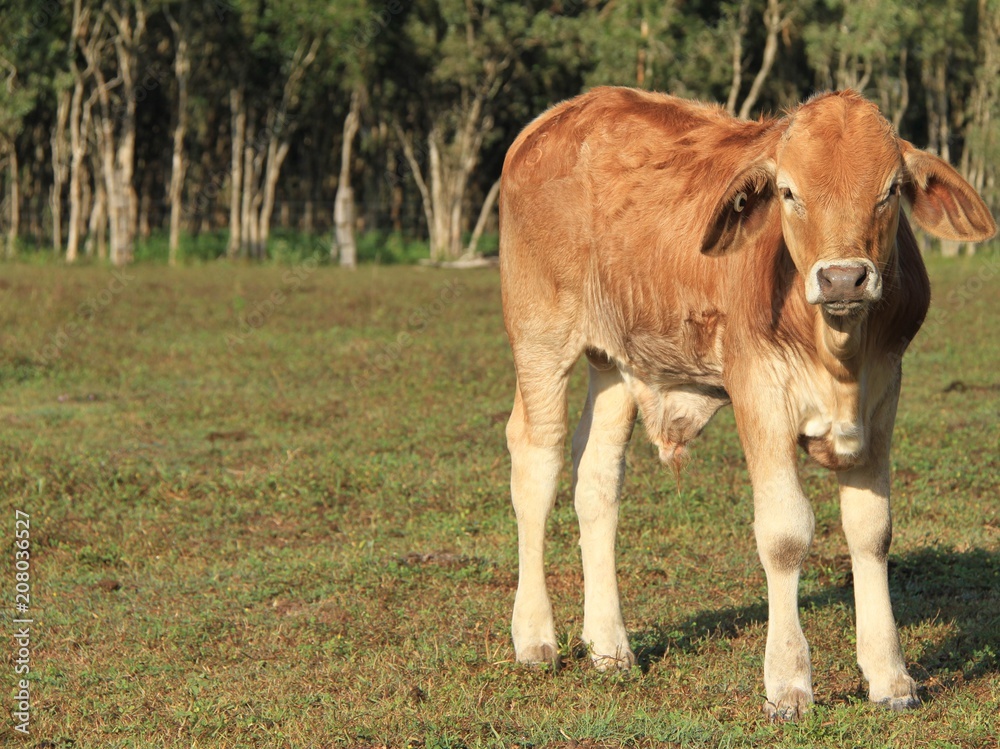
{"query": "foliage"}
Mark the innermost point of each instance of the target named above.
(422, 66)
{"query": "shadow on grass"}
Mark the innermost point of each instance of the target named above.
(927, 585)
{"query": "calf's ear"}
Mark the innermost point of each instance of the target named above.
(941, 201)
(742, 212)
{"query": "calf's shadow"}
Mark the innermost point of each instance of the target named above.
(929, 584)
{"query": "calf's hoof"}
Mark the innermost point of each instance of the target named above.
(898, 695)
(790, 705)
(539, 654)
(899, 704)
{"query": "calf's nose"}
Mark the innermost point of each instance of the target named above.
(842, 283)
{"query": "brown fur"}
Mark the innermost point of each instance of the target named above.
(612, 209)
(684, 252)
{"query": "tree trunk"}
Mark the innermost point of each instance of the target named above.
(127, 48)
(248, 231)
(448, 169)
(308, 215)
(146, 204)
(742, 21)
(178, 163)
(118, 153)
(941, 91)
(60, 166)
(980, 131)
(904, 92)
(276, 153)
(484, 214)
(79, 125)
(774, 22)
(98, 224)
(114, 197)
(343, 207)
(239, 126)
(260, 156)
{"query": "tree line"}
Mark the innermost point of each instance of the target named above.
(119, 120)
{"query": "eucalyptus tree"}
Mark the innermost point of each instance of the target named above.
(279, 44)
(30, 45)
(456, 62)
(866, 45)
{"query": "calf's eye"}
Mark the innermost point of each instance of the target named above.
(740, 202)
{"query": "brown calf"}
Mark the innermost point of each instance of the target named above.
(698, 260)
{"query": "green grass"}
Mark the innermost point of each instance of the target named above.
(269, 507)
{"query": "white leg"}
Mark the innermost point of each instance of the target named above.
(783, 525)
(599, 445)
(864, 506)
(536, 450)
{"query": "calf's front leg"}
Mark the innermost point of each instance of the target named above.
(783, 526)
(867, 521)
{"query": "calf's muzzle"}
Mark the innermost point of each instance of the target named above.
(843, 286)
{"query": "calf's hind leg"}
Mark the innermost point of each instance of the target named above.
(599, 445)
(535, 436)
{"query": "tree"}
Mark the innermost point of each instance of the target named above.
(26, 52)
(356, 52)
(460, 55)
(396, 114)
(865, 45)
(982, 143)
(181, 29)
(343, 207)
(281, 43)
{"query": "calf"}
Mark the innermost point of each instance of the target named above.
(698, 260)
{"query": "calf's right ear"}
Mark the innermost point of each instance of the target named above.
(743, 210)
(941, 201)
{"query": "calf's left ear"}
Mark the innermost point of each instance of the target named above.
(941, 201)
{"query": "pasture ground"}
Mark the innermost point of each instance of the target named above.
(269, 507)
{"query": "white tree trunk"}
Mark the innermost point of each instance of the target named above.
(78, 127)
(115, 199)
(251, 168)
(98, 224)
(118, 149)
(449, 167)
(484, 214)
(774, 22)
(178, 164)
(276, 153)
(742, 22)
(60, 166)
(343, 207)
(262, 158)
(239, 125)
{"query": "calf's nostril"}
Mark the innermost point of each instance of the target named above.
(846, 282)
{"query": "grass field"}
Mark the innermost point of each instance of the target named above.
(269, 507)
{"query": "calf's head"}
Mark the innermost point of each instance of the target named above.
(836, 176)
